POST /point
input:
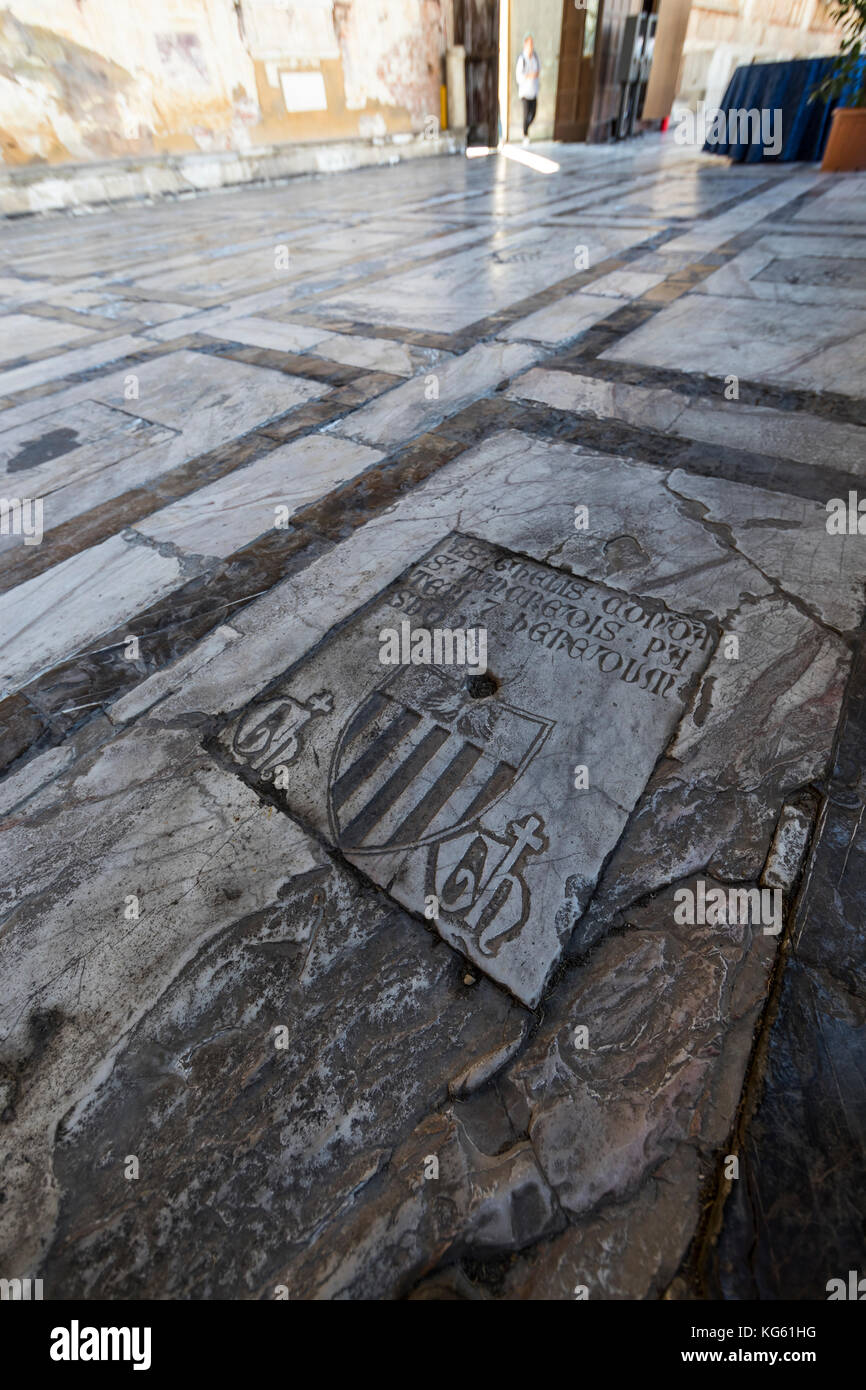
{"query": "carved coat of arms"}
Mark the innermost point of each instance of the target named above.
(420, 758)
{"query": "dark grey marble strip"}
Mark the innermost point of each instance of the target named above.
(794, 1219)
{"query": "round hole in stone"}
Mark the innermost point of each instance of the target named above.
(482, 687)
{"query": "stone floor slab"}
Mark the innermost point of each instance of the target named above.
(452, 783)
(802, 345)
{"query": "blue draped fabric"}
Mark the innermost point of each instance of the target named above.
(786, 87)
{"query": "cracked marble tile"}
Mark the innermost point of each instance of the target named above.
(790, 675)
(721, 786)
(669, 1013)
(115, 875)
(261, 1083)
(627, 1250)
(638, 535)
(787, 539)
(479, 1205)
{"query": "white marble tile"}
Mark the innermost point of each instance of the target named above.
(626, 284)
(585, 395)
(64, 447)
(64, 610)
(170, 679)
(564, 319)
(843, 201)
(688, 196)
(781, 433)
(807, 241)
(460, 289)
(65, 363)
(222, 518)
(790, 434)
(662, 263)
(268, 333)
(804, 345)
(26, 334)
(211, 399)
(202, 322)
(237, 273)
(15, 291)
(818, 276)
(354, 350)
(70, 483)
(715, 231)
(419, 404)
(378, 354)
(147, 312)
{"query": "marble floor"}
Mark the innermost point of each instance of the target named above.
(328, 979)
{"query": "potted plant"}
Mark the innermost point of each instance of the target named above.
(846, 145)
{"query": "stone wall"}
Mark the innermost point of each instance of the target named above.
(84, 80)
(723, 34)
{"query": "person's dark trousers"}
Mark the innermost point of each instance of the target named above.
(529, 105)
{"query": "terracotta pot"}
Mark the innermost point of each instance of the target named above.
(846, 144)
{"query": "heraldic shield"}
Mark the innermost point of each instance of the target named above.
(420, 758)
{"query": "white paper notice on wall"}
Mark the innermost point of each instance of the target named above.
(304, 91)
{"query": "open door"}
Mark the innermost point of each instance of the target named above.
(575, 85)
(476, 27)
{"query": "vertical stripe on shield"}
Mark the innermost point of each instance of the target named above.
(435, 797)
(364, 766)
(413, 779)
(381, 802)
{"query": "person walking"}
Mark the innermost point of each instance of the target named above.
(528, 74)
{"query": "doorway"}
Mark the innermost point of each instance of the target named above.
(476, 27)
(576, 81)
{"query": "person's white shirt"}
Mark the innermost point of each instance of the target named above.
(528, 70)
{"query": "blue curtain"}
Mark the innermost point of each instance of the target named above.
(786, 87)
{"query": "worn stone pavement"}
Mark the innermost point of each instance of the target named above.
(236, 1058)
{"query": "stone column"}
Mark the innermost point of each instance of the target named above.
(455, 77)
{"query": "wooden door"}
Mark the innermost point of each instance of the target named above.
(604, 113)
(575, 83)
(476, 27)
